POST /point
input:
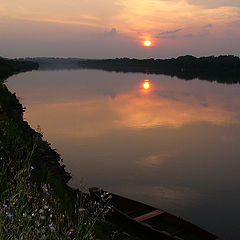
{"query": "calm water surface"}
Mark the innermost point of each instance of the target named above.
(175, 145)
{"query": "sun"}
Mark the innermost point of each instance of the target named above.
(147, 43)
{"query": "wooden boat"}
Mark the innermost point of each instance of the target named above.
(149, 222)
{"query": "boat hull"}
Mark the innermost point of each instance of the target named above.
(148, 222)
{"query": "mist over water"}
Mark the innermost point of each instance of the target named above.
(174, 145)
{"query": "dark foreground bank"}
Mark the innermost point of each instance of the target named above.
(35, 200)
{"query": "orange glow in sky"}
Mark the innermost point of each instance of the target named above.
(108, 29)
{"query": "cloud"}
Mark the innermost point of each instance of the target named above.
(111, 33)
(208, 26)
(172, 37)
(188, 35)
(204, 32)
(170, 32)
(166, 37)
(234, 23)
(215, 3)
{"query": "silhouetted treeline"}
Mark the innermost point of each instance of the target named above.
(8, 100)
(52, 63)
(10, 67)
(224, 69)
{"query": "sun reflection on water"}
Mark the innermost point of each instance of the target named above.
(146, 85)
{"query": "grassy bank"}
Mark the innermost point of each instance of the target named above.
(35, 200)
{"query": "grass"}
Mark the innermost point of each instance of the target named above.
(35, 201)
(30, 207)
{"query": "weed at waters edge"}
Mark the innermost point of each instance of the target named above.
(32, 210)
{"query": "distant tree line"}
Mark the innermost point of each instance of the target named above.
(7, 68)
(224, 69)
(10, 67)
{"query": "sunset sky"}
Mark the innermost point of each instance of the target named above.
(118, 28)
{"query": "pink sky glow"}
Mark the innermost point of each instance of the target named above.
(118, 28)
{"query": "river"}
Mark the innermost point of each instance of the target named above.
(171, 143)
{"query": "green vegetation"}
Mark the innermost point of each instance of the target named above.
(32, 208)
(35, 201)
(224, 69)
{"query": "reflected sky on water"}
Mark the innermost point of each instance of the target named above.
(171, 143)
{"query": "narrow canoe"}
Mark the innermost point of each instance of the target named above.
(149, 222)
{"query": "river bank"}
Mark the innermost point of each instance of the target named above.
(32, 177)
(36, 202)
(10, 106)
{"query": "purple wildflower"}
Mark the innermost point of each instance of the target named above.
(4, 205)
(8, 214)
(32, 167)
(69, 233)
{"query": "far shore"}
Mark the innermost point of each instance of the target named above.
(223, 69)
